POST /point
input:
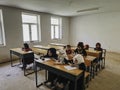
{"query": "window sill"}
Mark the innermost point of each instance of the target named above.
(2, 46)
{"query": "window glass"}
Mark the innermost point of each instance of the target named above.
(26, 34)
(56, 32)
(29, 19)
(31, 27)
(34, 32)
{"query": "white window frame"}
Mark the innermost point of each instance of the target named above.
(2, 30)
(30, 24)
(59, 27)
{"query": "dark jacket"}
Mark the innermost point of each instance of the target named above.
(54, 55)
(80, 51)
(68, 51)
(99, 49)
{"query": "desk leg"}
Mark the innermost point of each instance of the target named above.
(36, 75)
(91, 71)
(75, 85)
(11, 59)
(104, 62)
(24, 67)
(46, 75)
(24, 71)
(79, 83)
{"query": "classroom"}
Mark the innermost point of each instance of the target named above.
(43, 25)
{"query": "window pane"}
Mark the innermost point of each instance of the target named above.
(34, 32)
(52, 32)
(26, 34)
(33, 27)
(55, 21)
(56, 32)
(29, 18)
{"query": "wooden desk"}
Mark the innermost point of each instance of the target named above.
(93, 53)
(56, 47)
(39, 51)
(75, 75)
(90, 52)
(41, 47)
(58, 44)
(89, 59)
(89, 64)
(21, 54)
(94, 65)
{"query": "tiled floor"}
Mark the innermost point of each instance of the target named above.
(12, 78)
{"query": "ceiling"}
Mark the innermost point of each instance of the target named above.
(66, 7)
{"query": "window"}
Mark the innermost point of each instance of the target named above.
(56, 32)
(31, 27)
(2, 33)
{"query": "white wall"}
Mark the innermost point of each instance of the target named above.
(102, 27)
(13, 30)
(45, 25)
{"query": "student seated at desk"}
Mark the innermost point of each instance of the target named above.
(62, 54)
(69, 54)
(26, 47)
(98, 48)
(63, 50)
(51, 53)
(78, 61)
(98, 59)
(86, 47)
(80, 49)
(27, 60)
(68, 50)
(63, 83)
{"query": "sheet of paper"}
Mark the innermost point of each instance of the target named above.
(69, 67)
(40, 60)
(30, 51)
(47, 59)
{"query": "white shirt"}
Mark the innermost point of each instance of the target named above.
(79, 59)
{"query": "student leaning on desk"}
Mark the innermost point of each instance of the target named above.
(61, 82)
(51, 53)
(70, 56)
(56, 81)
(79, 62)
